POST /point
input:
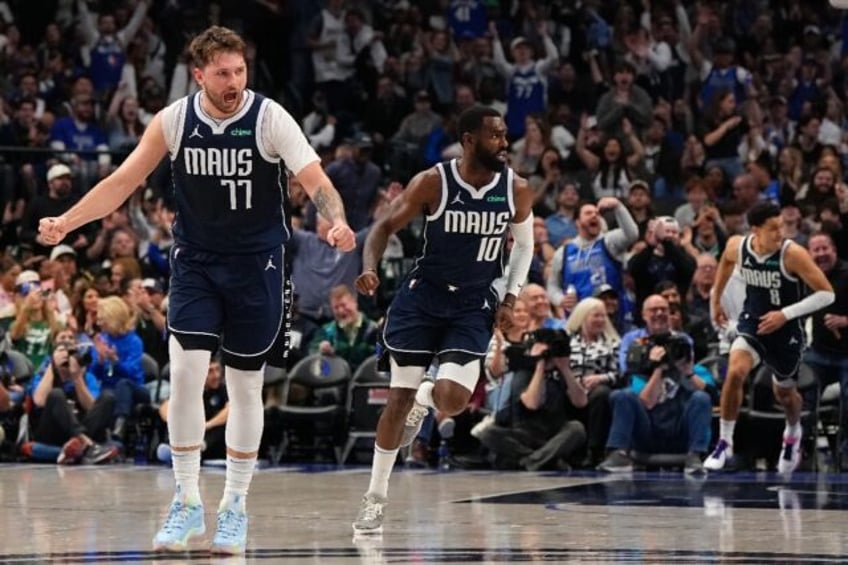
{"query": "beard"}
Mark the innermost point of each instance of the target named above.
(220, 103)
(488, 160)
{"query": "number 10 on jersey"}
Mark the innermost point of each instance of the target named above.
(490, 248)
(236, 186)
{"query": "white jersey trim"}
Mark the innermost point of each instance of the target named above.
(444, 200)
(476, 193)
(260, 117)
(218, 128)
(173, 125)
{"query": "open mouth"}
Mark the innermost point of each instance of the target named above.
(503, 157)
(230, 97)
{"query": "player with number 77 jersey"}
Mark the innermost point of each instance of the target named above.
(229, 148)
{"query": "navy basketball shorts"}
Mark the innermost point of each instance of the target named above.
(428, 318)
(780, 351)
(235, 298)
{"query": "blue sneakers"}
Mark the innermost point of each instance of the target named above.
(183, 522)
(230, 532)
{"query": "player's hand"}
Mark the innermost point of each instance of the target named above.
(719, 316)
(503, 318)
(53, 229)
(367, 282)
(770, 322)
(342, 237)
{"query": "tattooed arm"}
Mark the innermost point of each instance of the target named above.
(328, 202)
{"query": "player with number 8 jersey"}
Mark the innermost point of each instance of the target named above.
(772, 270)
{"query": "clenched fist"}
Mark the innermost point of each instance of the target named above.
(342, 237)
(52, 230)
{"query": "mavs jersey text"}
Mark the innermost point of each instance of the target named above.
(228, 190)
(229, 228)
(464, 238)
(768, 286)
(447, 302)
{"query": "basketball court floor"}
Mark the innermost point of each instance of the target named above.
(51, 514)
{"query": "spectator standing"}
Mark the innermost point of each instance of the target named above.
(527, 88)
(592, 259)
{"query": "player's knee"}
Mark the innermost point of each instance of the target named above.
(450, 397)
(399, 403)
(735, 377)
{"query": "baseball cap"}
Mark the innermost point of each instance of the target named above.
(58, 170)
(604, 289)
(27, 276)
(152, 285)
(518, 41)
(60, 250)
(639, 183)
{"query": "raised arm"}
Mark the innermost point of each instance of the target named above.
(113, 190)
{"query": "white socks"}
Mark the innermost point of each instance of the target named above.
(793, 430)
(726, 429)
(187, 474)
(186, 420)
(424, 394)
(243, 434)
(239, 474)
(381, 469)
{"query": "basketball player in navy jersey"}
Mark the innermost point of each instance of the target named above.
(446, 308)
(227, 146)
(769, 331)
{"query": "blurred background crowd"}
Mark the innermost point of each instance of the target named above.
(650, 127)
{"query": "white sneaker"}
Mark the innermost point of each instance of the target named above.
(790, 454)
(413, 423)
(369, 521)
(721, 458)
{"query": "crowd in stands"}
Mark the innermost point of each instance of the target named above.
(647, 129)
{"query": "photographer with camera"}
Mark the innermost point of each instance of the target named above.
(667, 407)
(543, 429)
(68, 407)
(663, 259)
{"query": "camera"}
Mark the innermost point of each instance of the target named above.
(677, 348)
(82, 353)
(558, 342)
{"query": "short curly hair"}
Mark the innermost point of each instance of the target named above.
(214, 40)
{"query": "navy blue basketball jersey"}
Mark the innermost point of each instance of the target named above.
(464, 238)
(526, 96)
(768, 286)
(467, 18)
(229, 192)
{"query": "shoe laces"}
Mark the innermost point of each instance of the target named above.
(371, 510)
(230, 522)
(415, 415)
(177, 517)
